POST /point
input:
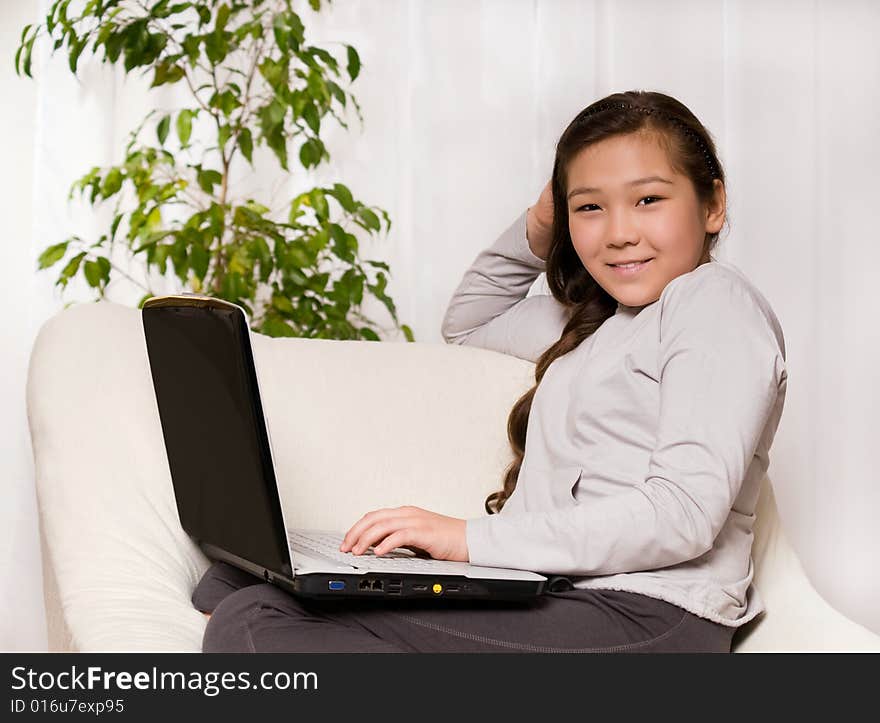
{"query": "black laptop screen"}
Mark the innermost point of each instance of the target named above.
(215, 437)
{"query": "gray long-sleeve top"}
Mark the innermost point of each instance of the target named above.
(646, 445)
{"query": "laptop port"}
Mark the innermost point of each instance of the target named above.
(419, 588)
(336, 584)
(452, 588)
(395, 587)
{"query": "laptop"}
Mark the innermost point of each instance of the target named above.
(220, 458)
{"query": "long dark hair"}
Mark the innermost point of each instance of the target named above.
(691, 152)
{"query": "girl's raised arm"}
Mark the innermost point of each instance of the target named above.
(489, 309)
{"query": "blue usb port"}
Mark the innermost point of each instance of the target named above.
(337, 584)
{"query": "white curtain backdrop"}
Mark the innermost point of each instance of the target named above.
(463, 102)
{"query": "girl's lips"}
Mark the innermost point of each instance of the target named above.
(623, 271)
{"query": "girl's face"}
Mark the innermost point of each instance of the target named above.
(612, 220)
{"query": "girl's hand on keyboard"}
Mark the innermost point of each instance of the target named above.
(441, 537)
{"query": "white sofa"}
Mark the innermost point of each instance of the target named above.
(355, 426)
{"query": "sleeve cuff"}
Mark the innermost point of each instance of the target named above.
(479, 545)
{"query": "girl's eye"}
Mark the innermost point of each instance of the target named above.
(585, 206)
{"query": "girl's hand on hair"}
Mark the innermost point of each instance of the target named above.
(441, 537)
(539, 223)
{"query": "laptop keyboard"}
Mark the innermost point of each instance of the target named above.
(399, 559)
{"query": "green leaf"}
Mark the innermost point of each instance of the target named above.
(27, 56)
(222, 17)
(104, 265)
(184, 126)
(223, 135)
(354, 63)
(115, 226)
(167, 73)
(136, 38)
(246, 143)
(279, 28)
(241, 263)
(328, 59)
(52, 255)
(260, 251)
(160, 9)
(217, 216)
(112, 182)
(233, 286)
(318, 282)
(208, 179)
(310, 153)
(76, 48)
(273, 114)
(317, 87)
(282, 303)
(352, 242)
(369, 334)
(225, 101)
(18, 54)
(370, 219)
(191, 45)
(93, 273)
(343, 195)
(337, 92)
(216, 48)
(257, 208)
(276, 74)
(154, 219)
(178, 253)
(275, 326)
(71, 268)
(23, 45)
(387, 220)
(158, 256)
(199, 260)
(310, 113)
(319, 203)
(407, 332)
(289, 31)
(298, 257)
(378, 290)
(278, 143)
(162, 129)
(341, 246)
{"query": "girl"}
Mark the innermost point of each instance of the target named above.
(639, 453)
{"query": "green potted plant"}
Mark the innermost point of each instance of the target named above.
(252, 81)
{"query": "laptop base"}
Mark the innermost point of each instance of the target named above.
(381, 585)
(377, 585)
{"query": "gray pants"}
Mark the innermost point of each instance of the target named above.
(249, 615)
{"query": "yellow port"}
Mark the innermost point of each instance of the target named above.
(438, 588)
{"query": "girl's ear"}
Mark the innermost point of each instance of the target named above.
(717, 208)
